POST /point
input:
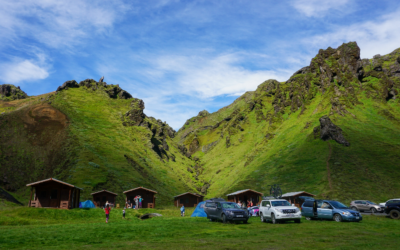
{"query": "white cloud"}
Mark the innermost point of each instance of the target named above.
(57, 23)
(380, 36)
(20, 71)
(210, 77)
(318, 8)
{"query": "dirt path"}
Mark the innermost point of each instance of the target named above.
(327, 166)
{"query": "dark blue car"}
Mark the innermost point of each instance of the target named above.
(329, 210)
(225, 211)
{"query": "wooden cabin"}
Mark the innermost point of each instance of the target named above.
(188, 199)
(244, 195)
(293, 197)
(101, 197)
(149, 200)
(53, 193)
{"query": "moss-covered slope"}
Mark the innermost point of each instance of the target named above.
(273, 135)
(91, 135)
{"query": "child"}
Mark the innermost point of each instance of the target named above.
(136, 202)
(107, 209)
(123, 214)
(183, 210)
(140, 201)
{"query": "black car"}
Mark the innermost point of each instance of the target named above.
(392, 208)
(225, 211)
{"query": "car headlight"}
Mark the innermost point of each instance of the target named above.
(297, 210)
(346, 213)
(230, 212)
(279, 210)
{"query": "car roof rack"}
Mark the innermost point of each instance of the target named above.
(269, 198)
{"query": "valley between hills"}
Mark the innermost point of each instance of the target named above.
(332, 129)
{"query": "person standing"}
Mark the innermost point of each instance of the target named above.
(136, 202)
(140, 201)
(107, 210)
(183, 210)
(123, 214)
(240, 204)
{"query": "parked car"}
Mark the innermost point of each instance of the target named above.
(330, 210)
(393, 208)
(254, 210)
(276, 210)
(225, 211)
(365, 205)
(383, 204)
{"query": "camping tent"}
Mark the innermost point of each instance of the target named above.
(199, 211)
(86, 204)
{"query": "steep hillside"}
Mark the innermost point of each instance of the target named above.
(332, 129)
(93, 135)
(274, 134)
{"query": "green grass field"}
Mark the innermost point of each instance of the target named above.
(27, 228)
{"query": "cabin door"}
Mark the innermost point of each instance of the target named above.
(53, 198)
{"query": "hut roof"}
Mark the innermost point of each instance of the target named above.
(242, 191)
(199, 195)
(296, 193)
(52, 179)
(127, 191)
(103, 191)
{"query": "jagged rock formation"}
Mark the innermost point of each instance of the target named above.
(329, 131)
(113, 91)
(9, 92)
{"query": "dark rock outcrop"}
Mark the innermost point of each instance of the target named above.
(135, 116)
(203, 113)
(330, 131)
(9, 92)
(68, 84)
(101, 79)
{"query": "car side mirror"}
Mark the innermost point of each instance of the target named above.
(268, 205)
(293, 205)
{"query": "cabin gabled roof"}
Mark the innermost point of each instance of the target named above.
(198, 195)
(104, 191)
(242, 191)
(52, 179)
(296, 193)
(127, 191)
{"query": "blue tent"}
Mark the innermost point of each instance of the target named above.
(199, 211)
(86, 204)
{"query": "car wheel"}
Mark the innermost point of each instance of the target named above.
(354, 208)
(308, 218)
(245, 222)
(224, 218)
(274, 221)
(262, 217)
(394, 214)
(373, 210)
(337, 218)
(297, 221)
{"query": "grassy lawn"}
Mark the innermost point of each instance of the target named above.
(77, 229)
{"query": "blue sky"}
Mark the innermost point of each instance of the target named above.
(181, 57)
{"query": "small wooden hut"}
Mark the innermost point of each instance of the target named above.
(53, 193)
(101, 197)
(149, 200)
(293, 197)
(188, 199)
(245, 195)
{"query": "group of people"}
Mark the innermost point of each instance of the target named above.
(243, 205)
(138, 202)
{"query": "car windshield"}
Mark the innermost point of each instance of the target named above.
(337, 204)
(230, 205)
(280, 203)
(370, 202)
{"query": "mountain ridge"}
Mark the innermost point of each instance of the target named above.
(271, 135)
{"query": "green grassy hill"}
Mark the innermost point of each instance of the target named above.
(96, 136)
(272, 135)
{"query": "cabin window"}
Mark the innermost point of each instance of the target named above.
(54, 193)
(104, 198)
(97, 198)
(182, 201)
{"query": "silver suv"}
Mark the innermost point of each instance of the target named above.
(365, 205)
(276, 210)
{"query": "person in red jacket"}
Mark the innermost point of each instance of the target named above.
(107, 209)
